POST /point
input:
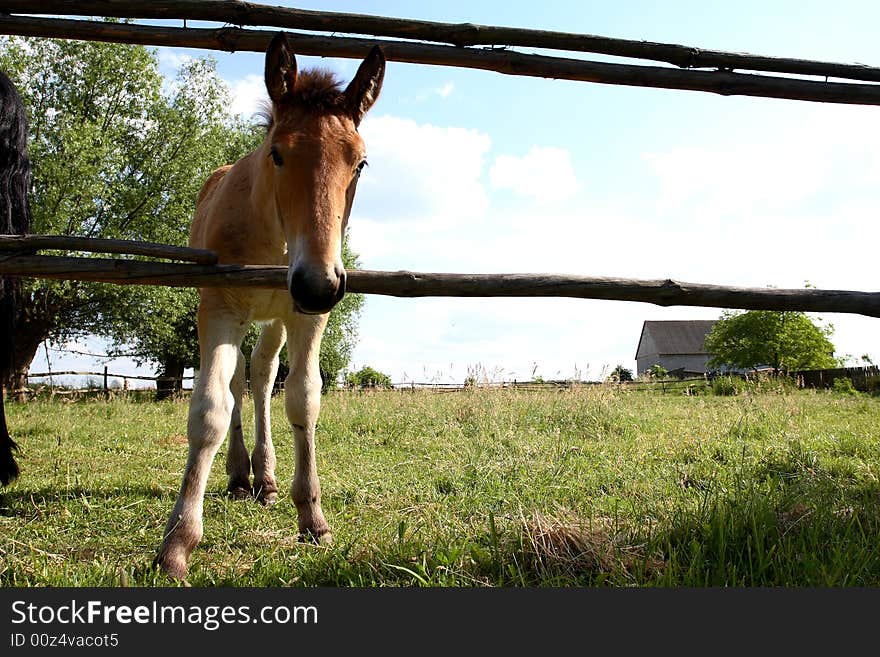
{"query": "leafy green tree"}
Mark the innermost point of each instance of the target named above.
(114, 155)
(160, 328)
(657, 371)
(783, 340)
(620, 374)
(367, 377)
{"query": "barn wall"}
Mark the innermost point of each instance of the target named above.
(690, 362)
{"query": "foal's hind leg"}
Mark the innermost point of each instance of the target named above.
(264, 369)
(210, 411)
(238, 465)
(303, 402)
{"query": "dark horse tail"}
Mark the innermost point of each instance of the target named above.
(14, 219)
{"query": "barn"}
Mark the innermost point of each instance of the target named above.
(677, 345)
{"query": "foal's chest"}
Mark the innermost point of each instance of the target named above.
(270, 304)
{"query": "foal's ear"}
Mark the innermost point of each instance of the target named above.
(280, 71)
(364, 88)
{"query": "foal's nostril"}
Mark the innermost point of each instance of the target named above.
(313, 293)
(297, 282)
(340, 290)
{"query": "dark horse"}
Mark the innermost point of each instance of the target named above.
(14, 219)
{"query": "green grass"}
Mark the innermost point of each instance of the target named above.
(581, 487)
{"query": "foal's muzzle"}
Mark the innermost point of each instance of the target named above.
(315, 292)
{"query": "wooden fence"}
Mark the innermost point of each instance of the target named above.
(99, 380)
(722, 80)
(866, 379)
(103, 382)
(863, 378)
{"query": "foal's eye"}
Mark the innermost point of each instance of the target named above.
(276, 156)
(360, 167)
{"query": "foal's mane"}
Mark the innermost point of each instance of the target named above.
(316, 90)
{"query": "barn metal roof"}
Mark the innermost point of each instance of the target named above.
(676, 336)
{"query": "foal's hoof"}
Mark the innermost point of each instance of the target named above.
(173, 565)
(239, 492)
(308, 536)
(265, 495)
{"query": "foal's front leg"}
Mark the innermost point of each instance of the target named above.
(303, 402)
(210, 411)
(238, 464)
(264, 368)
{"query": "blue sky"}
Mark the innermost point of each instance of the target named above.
(474, 171)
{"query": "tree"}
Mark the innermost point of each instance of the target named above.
(114, 155)
(620, 374)
(367, 377)
(657, 371)
(160, 328)
(783, 340)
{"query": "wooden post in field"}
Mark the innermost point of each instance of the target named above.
(106, 384)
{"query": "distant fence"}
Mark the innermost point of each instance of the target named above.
(490, 385)
(106, 380)
(863, 378)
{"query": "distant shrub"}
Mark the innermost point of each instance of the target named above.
(367, 377)
(843, 386)
(657, 371)
(767, 382)
(726, 386)
(620, 374)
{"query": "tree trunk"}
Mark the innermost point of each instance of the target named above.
(170, 381)
(28, 338)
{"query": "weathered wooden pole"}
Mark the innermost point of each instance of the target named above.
(236, 12)
(723, 82)
(662, 292)
(30, 243)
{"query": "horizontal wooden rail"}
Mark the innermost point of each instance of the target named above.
(721, 82)
(30, 243)
(413, 284)
(235, 12)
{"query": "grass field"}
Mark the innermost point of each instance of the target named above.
(582, 487)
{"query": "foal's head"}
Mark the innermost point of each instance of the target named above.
(310, 163)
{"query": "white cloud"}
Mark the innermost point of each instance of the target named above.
(782, 206)
(421, 173)
(445, 90)
(171, 60)
(247, 95)
(544, 174)
(773, 169)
